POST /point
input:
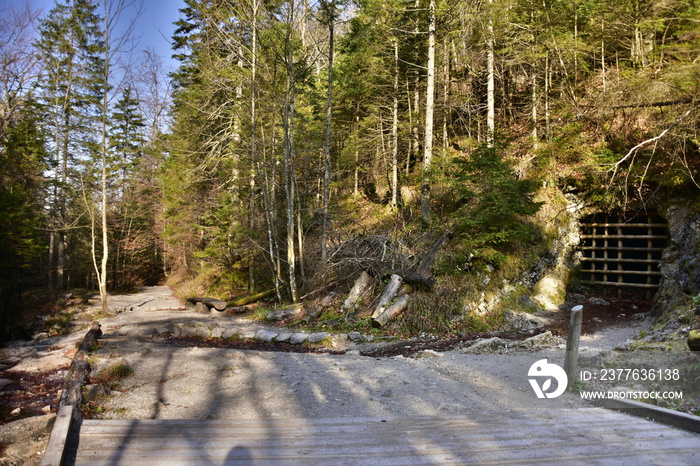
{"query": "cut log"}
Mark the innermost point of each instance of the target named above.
(389, 293)
(427, 261)
(209, 302)
(395, 309)
(362, 284)
(415, 279)
(251, 298)
(77, 377)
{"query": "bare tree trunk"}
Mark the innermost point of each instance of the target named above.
(533, 83)
(395, 131)
(62, 249)
(356, 186)
(102, 272)
(429, 104)
(361, 286)
(413, 139)
(490, 84)
(446, 98)
(300, 239)
(330, 6)
(52, 254)
(575, 45)
(112, 11)
(253, 138)
(390, 312)
(602, 54)
(289, 152)
(547, 78)
(269, 218)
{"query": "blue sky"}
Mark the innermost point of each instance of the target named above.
(154, 26)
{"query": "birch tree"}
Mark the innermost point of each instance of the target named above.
(429, 109)
(490, 79)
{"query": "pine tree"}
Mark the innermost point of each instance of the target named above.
(495, 203)
(70, 44)
(126, 135)
(23, 159)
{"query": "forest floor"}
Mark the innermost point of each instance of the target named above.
(194, 378)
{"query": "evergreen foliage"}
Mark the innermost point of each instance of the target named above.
(596, 96)
(23, 159)
(495, 204)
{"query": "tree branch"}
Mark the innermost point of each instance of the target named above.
(633, 150)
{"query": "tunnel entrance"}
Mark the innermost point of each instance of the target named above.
(621, 252)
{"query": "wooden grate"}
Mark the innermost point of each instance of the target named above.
(622, 251)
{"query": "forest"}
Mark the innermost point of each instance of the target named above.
(300, 143)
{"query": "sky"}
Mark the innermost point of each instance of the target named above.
(154, 26)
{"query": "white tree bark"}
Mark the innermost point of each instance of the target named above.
(359, 288)
(289, 181)
(429, 108)
(490, 84)
(395, 132)
(389, 292)
(253, 134)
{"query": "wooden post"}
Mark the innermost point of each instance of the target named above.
(571, 358)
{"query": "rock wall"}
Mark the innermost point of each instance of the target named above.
(549, 278)
(680, 262)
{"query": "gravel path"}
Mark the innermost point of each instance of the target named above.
(186, 379)
(175, 382)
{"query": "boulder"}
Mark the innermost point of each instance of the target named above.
(286, 313)
(318, 337)
(298, 338)
(694, 340)
(265, 335)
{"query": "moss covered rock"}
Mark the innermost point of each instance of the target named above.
(694, 340)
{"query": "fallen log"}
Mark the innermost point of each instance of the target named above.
(427, 261)
(389, 293)
(415, 279)
(362, 284)
(395, 309)
(79, 371)
(250, 298)
(217, 304)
